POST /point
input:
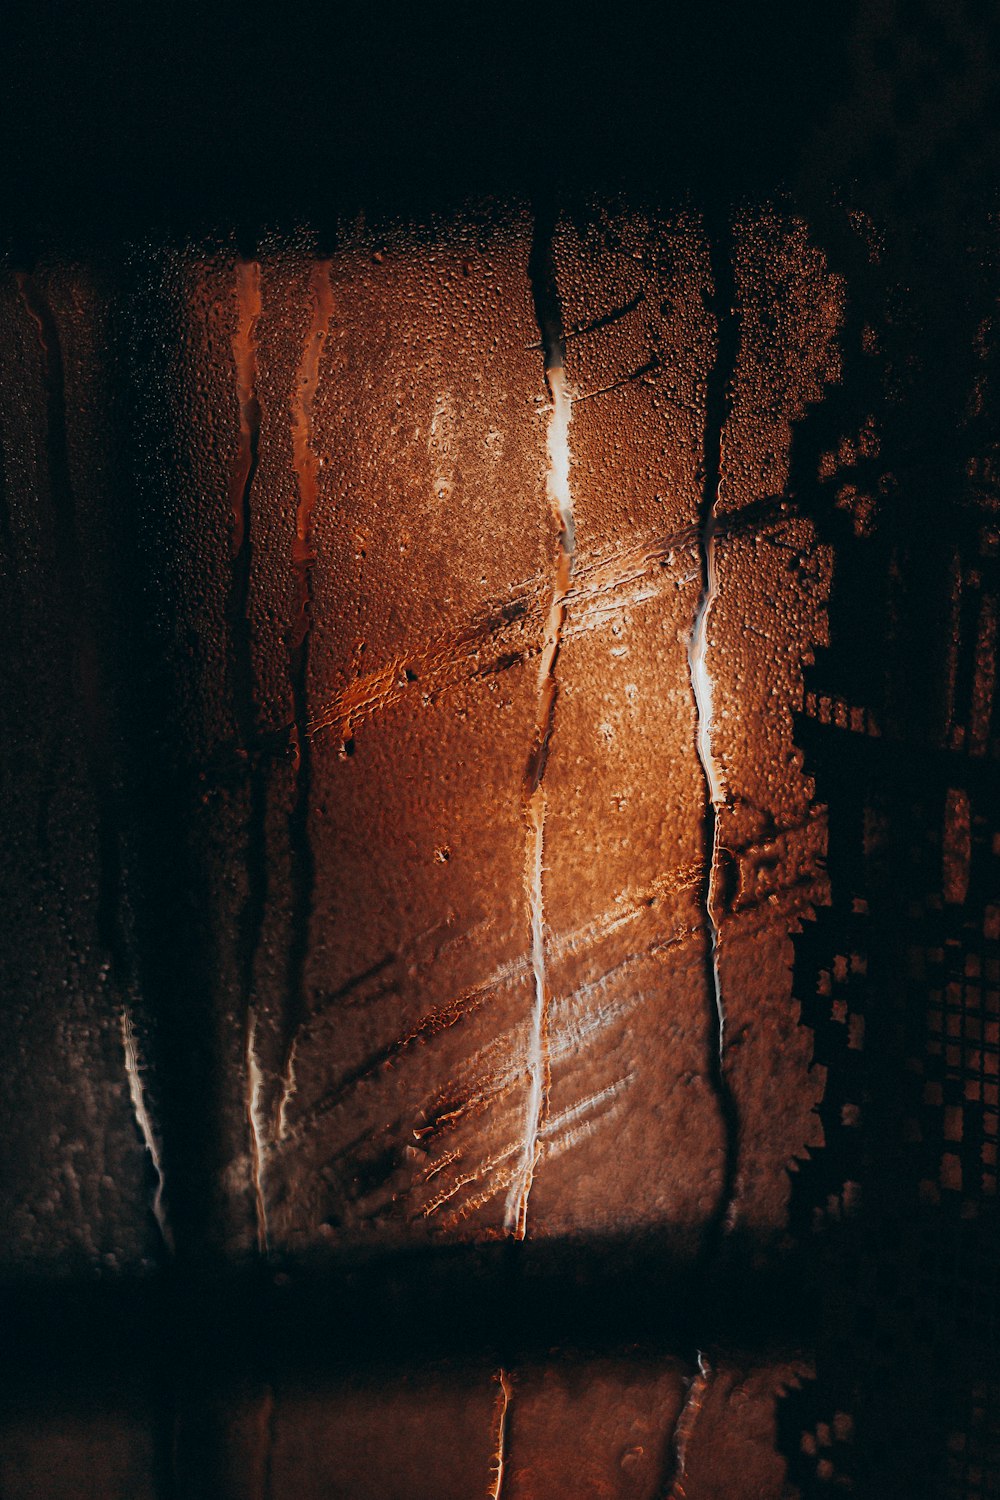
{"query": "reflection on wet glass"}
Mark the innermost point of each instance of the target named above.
(448, 805)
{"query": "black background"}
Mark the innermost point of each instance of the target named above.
(121, 118)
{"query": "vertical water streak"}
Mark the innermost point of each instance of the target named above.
(701, 683)
(143, 1120)
(499, 1464)
(561, 502)
(249, 307)
(686, 1423)
(717, 409)
(87, 672)
(306, 463)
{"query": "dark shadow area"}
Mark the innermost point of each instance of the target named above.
(595, 1296)
(220, 118)
(898, 976)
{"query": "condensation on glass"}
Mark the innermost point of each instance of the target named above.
(413, 837)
